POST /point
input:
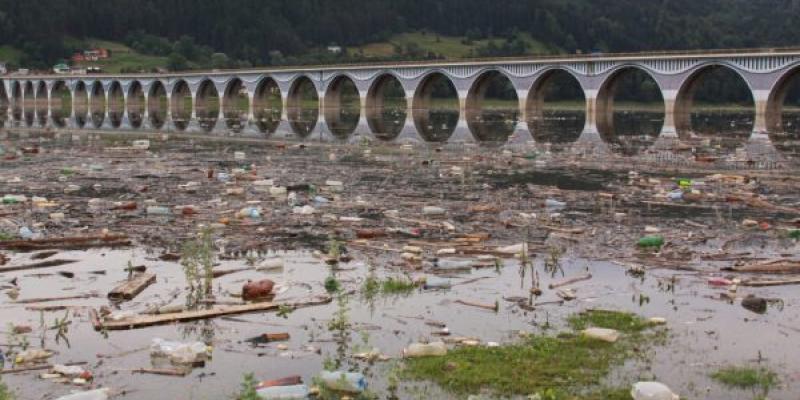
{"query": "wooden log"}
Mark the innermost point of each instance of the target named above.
(38, 265)
(48, 299)
(160, 371)
(570, 281)
(142, 321)
(760, 283)
(79, 242)
(132, 288)
(781, 266)
(491, 307)
(37, 368)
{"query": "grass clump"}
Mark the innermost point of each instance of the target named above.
(564, 367)
(5, 393)
(623, 322)
(389, 287)
(746, 377)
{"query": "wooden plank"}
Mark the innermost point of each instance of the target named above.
(142, 321)
(132, 288)
(41, 264)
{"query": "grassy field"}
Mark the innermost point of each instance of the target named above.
(447, 46)
(10, 55)
(123, 57)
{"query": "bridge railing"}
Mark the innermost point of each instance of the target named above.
(706, 53)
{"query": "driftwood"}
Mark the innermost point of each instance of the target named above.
(490, 307)
(41, 264)
(74, 243)
(48, 299)
(36, 368)
(142, 321)
(132, 288)
(781, 266)
(570, 281)
(160, 371)
(760, 283)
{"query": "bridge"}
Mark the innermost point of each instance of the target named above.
(182, 101)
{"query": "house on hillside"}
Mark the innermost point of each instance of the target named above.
(91, 55)
(61, 68)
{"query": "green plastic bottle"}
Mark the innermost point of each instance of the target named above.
(651, 241)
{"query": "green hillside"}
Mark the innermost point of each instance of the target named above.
(450, 47)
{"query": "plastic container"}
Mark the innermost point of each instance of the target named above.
(652, 391)
(606, 335)
(143, 144)
(271, 264)
(351, 382)
(32, 355)
(425, 350)
(180, 353)
(97, 394)
(283, 392)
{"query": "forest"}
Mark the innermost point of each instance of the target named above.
(237, 33)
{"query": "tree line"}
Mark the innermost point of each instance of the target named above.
(270, 32)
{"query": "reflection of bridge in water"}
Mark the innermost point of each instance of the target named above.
(311, 101)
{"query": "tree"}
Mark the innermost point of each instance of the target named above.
(177, 62)
(220, 61)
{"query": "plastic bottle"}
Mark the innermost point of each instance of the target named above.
(651, 241)
(179, 353)
(652, 391)
(351, 382)
(431, 210)
(425, 350)
(283, 392)
(554, 204)
(434, 282)
(32, 355)
(158, 210)
(450, 264)
(606, 335)
(97, 394)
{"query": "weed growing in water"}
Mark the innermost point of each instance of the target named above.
(560, 367)
(759, 379)
(197, 259)
(248, 391)
(5, 393)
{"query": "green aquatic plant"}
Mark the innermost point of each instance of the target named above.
(746, 377)
(197, 259)
(555, 367)
(248, 391)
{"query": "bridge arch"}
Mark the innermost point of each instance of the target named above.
(720, 119)
(60, 104)
(303, 105)
(135, 104)
(267, 105)
(41, 105)
(235, 105)
(4, 104)
(16, 101)
(29, 103)
(158, 106)
(206, 105)
(386, 106)
(777, 98)
(116, 104)
(81, 106)
(181, 104)
(97, 104)
(435, 107)
(342, 106)
(635, 124)
(556, 106)
(492, 107)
